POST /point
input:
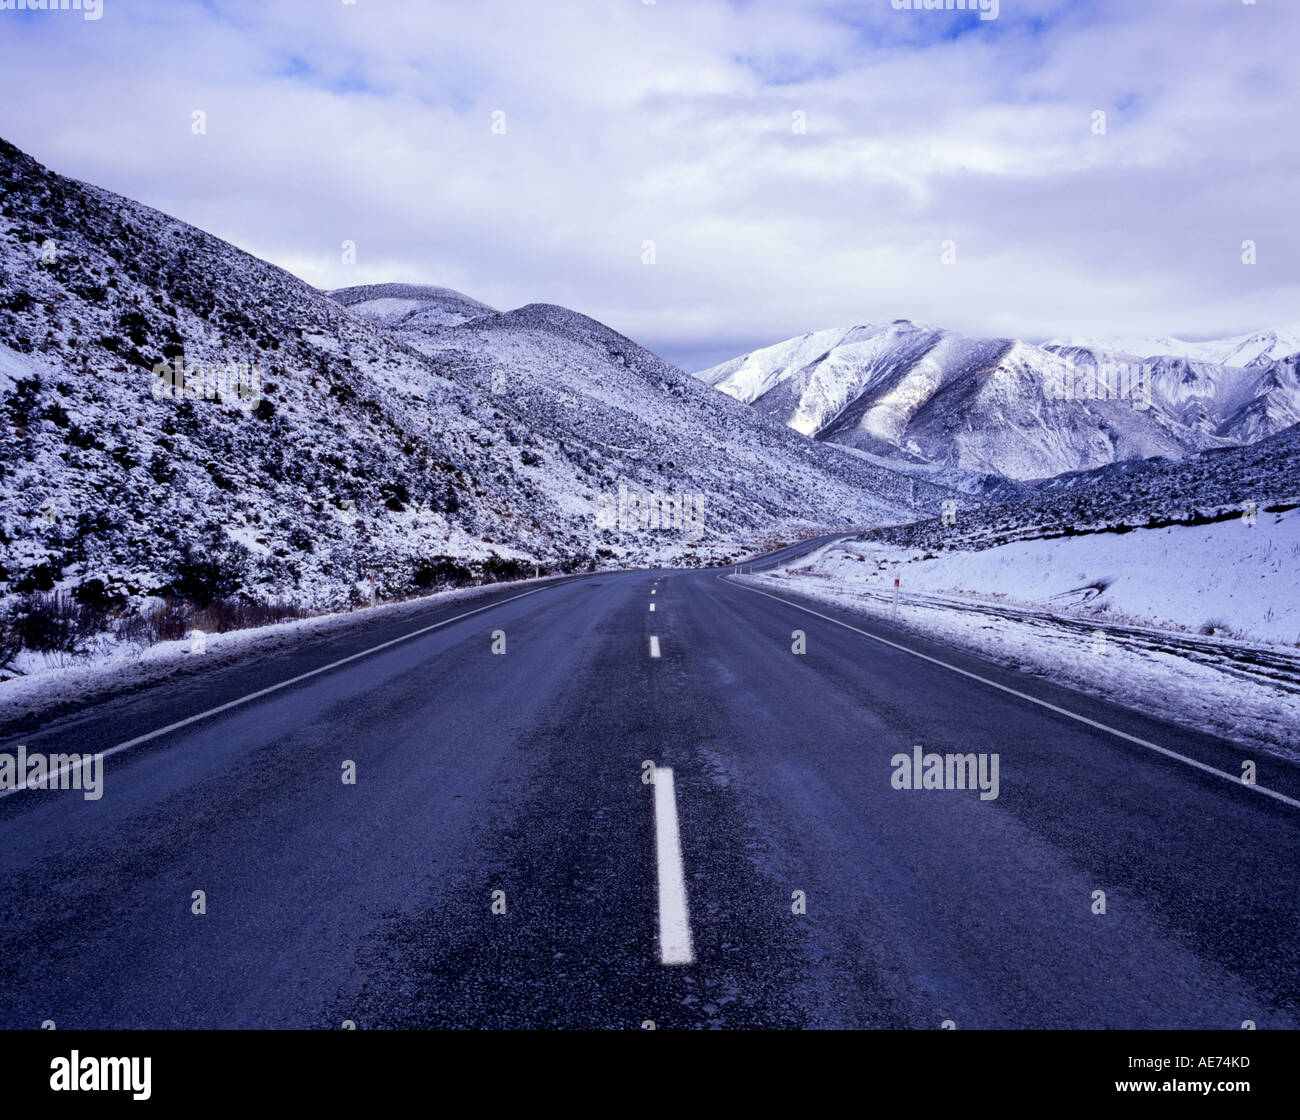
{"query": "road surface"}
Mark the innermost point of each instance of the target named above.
(502, 860)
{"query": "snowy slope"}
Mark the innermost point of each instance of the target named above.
(1232, 576)
(1221, 484)
(417, 304)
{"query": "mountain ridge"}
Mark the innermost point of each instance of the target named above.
(910, 391)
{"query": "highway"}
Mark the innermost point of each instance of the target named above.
(506, 859)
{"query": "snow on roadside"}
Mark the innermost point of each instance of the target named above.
(1241, 691)
(1236, 576)
(47, 689)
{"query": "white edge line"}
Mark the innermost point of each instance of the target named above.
(674, 916)
(274, 688)
(1236, 781)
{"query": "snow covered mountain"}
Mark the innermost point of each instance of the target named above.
(183, 419)
(912, 393)
(1237, 404)
(1252, 350)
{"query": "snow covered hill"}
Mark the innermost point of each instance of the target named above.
(999, 406)
(573, 379)
(415, 305)
(296, 445)
(1236, 484)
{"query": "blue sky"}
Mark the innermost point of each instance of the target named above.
(676, 123)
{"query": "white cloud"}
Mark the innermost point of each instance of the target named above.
(671, 122)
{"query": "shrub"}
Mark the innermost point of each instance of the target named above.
(21, 401)
(94, 593)
(395, 496)
(91, 293)
(39, 577)
(202, 577)
(441, 571)
(495, 568)
(10, 640)
(241, 614)
(53, 622)
(135, 326)
(134, 628)
(168, 621)
(161, 468)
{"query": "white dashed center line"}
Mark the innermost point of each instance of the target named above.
(652, 606)
(654, 645)
(674, 917)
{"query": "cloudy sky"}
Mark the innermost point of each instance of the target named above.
(796, 165)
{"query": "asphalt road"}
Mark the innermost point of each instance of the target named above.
(522, 772)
